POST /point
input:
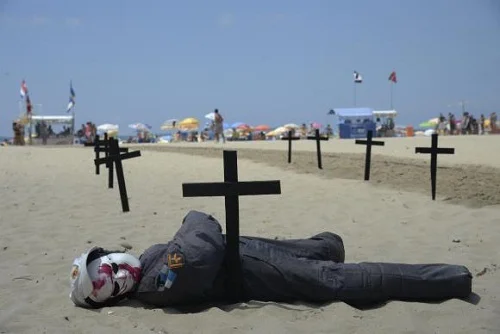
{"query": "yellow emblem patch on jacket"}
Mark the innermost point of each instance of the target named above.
(175, 261)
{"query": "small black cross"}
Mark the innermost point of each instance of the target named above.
(318, 139)
(99, 146)
(103, 146)
(290, 138)
(434, 151)
(369, 142)
(231, 189)
(116, 157)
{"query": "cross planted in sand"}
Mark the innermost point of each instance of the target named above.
(369, 142)
(231, 189)
(114, 156)
(318, 139)
(290, 138)
(103, 146)
(434, 151)
(99, 146)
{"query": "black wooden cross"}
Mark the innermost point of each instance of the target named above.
(109, 164)
(231, 189)
(114, 156)
(99, 146)
(103, 146)
(369, 142)
(434, 151)
(318, 139)
(290, 138)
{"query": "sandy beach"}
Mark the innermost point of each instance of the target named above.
(53, 207)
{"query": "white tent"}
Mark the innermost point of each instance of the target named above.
(385, 113)
(63, 119)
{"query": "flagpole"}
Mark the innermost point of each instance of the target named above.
(30, 139)
(392, 84)
(73, 125)
(354, 93)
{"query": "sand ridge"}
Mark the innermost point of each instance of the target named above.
(467, 184)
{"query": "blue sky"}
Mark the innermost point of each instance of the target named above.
(268, 62)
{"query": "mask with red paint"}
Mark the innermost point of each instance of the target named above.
(100, 276)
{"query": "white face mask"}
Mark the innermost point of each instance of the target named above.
(113, 275)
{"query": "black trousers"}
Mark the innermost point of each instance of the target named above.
(313, 270)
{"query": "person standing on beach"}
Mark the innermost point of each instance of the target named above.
(17, 132)
(453, 123)
(493, 122)
(482, 120)
(218, 127)
(44, 132)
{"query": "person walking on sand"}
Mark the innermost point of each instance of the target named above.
(218, 127)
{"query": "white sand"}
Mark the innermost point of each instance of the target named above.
(53, 207)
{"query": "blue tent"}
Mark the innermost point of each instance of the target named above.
(355, 122)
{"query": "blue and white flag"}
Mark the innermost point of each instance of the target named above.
(357, 77)
(72, 95)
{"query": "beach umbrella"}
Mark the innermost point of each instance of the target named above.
(243, 130)
(237, 125)
(243, 127)
(277, 131)
(189, 123)
(110, 129)
(316, 125)
(426, 125)
(107, 127)
(291, 126)
(169, 124)
(140, 126)
(262, 127)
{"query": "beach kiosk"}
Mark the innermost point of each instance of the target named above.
(385, 120)
(355, 122)
(61, 138)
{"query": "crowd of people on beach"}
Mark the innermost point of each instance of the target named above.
(468, 125)
(218, 135)
(87, 132)
(215, 130)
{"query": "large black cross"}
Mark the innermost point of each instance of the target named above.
(115, 157)
(434, 151)
(231, 189)
(318, 139)
(369, 142)
(290, 138)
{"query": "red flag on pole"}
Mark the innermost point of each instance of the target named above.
(392, 77)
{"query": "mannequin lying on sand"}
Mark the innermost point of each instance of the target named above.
(191, 269)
